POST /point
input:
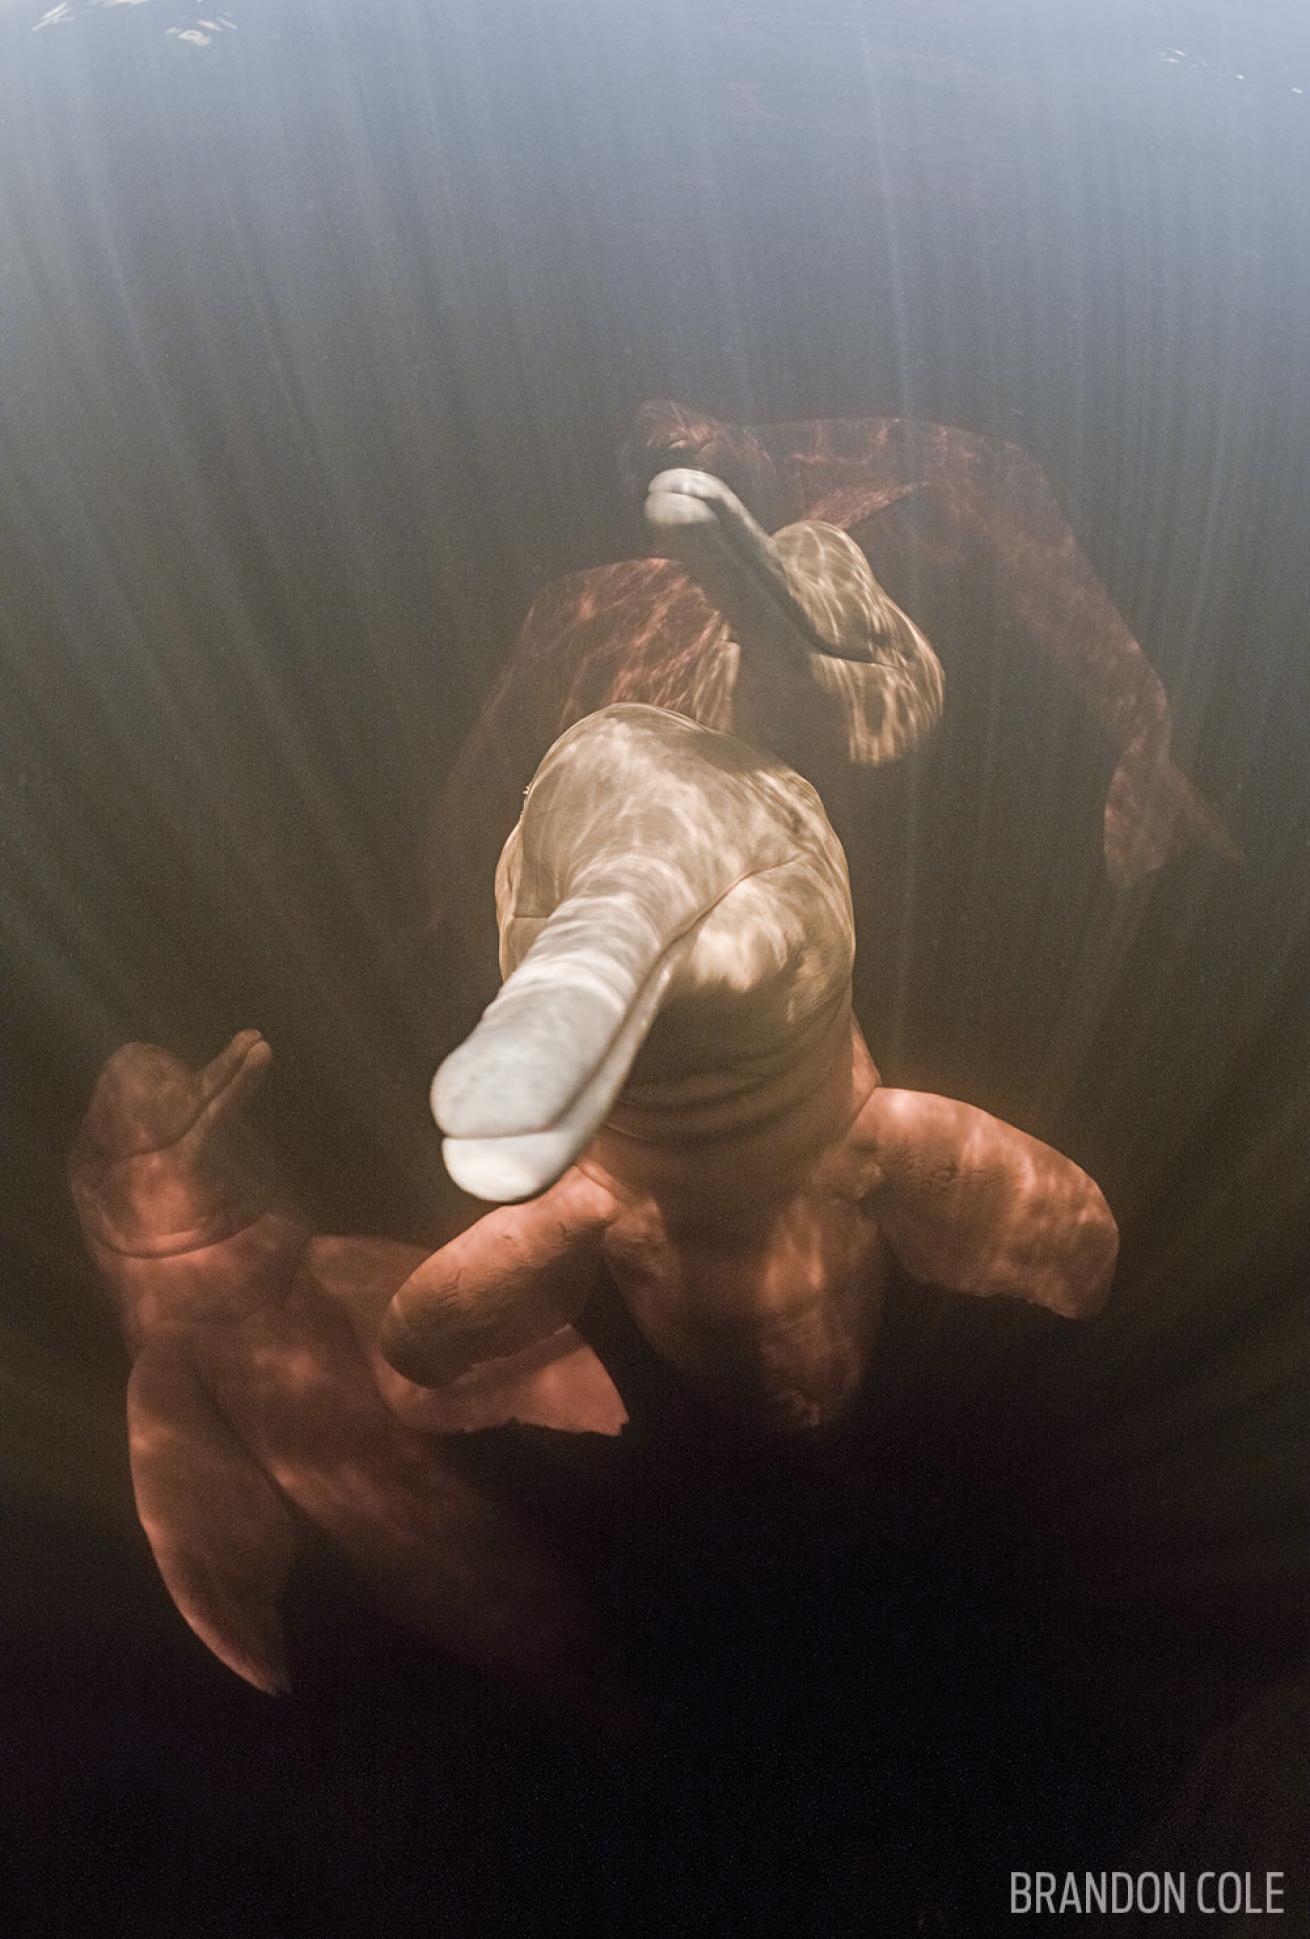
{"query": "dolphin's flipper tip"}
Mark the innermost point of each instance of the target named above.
(221, 1534)
(1152, 814)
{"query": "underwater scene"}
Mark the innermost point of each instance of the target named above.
(655, 879)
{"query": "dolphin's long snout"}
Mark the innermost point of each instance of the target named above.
(522, 1097)
(697, 519)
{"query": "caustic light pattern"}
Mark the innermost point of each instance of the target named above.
(796, 646)
(673, 1078)
(671, 1085)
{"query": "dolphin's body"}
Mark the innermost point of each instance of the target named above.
(250, 1402)
(672, 1080)
(968, 525)
(934, 503)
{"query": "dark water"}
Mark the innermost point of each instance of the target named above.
(317, 341)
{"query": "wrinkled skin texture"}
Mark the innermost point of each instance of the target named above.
(252, 1403)
(949, 509)
(734, 1162)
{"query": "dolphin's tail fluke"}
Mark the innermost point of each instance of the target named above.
(1153, 813)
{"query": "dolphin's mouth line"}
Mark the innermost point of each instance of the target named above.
(209, 1109)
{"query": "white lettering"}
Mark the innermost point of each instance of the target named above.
(1273, 1892)
(1223, 1893)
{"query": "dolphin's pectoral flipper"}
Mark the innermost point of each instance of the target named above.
(514, 1278)
(972, 1204)
(434, 1541)
(221, 1534)
(556, 1382)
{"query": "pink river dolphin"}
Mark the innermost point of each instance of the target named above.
(755, 621)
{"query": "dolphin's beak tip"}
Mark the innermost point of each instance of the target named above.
(671, 504)
(466, 1163)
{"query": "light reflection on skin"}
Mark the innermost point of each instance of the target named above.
(745, 1186)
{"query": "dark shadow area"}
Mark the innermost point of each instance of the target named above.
(873, 1678)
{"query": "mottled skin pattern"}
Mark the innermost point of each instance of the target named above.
(935, 508)
(843, 682)
(746, 1183)
(925, 499)
(252, 1401)
(258, 1379)
(879, 707)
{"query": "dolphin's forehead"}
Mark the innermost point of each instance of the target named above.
(642, 813)
(631, 767)
(636, 799)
